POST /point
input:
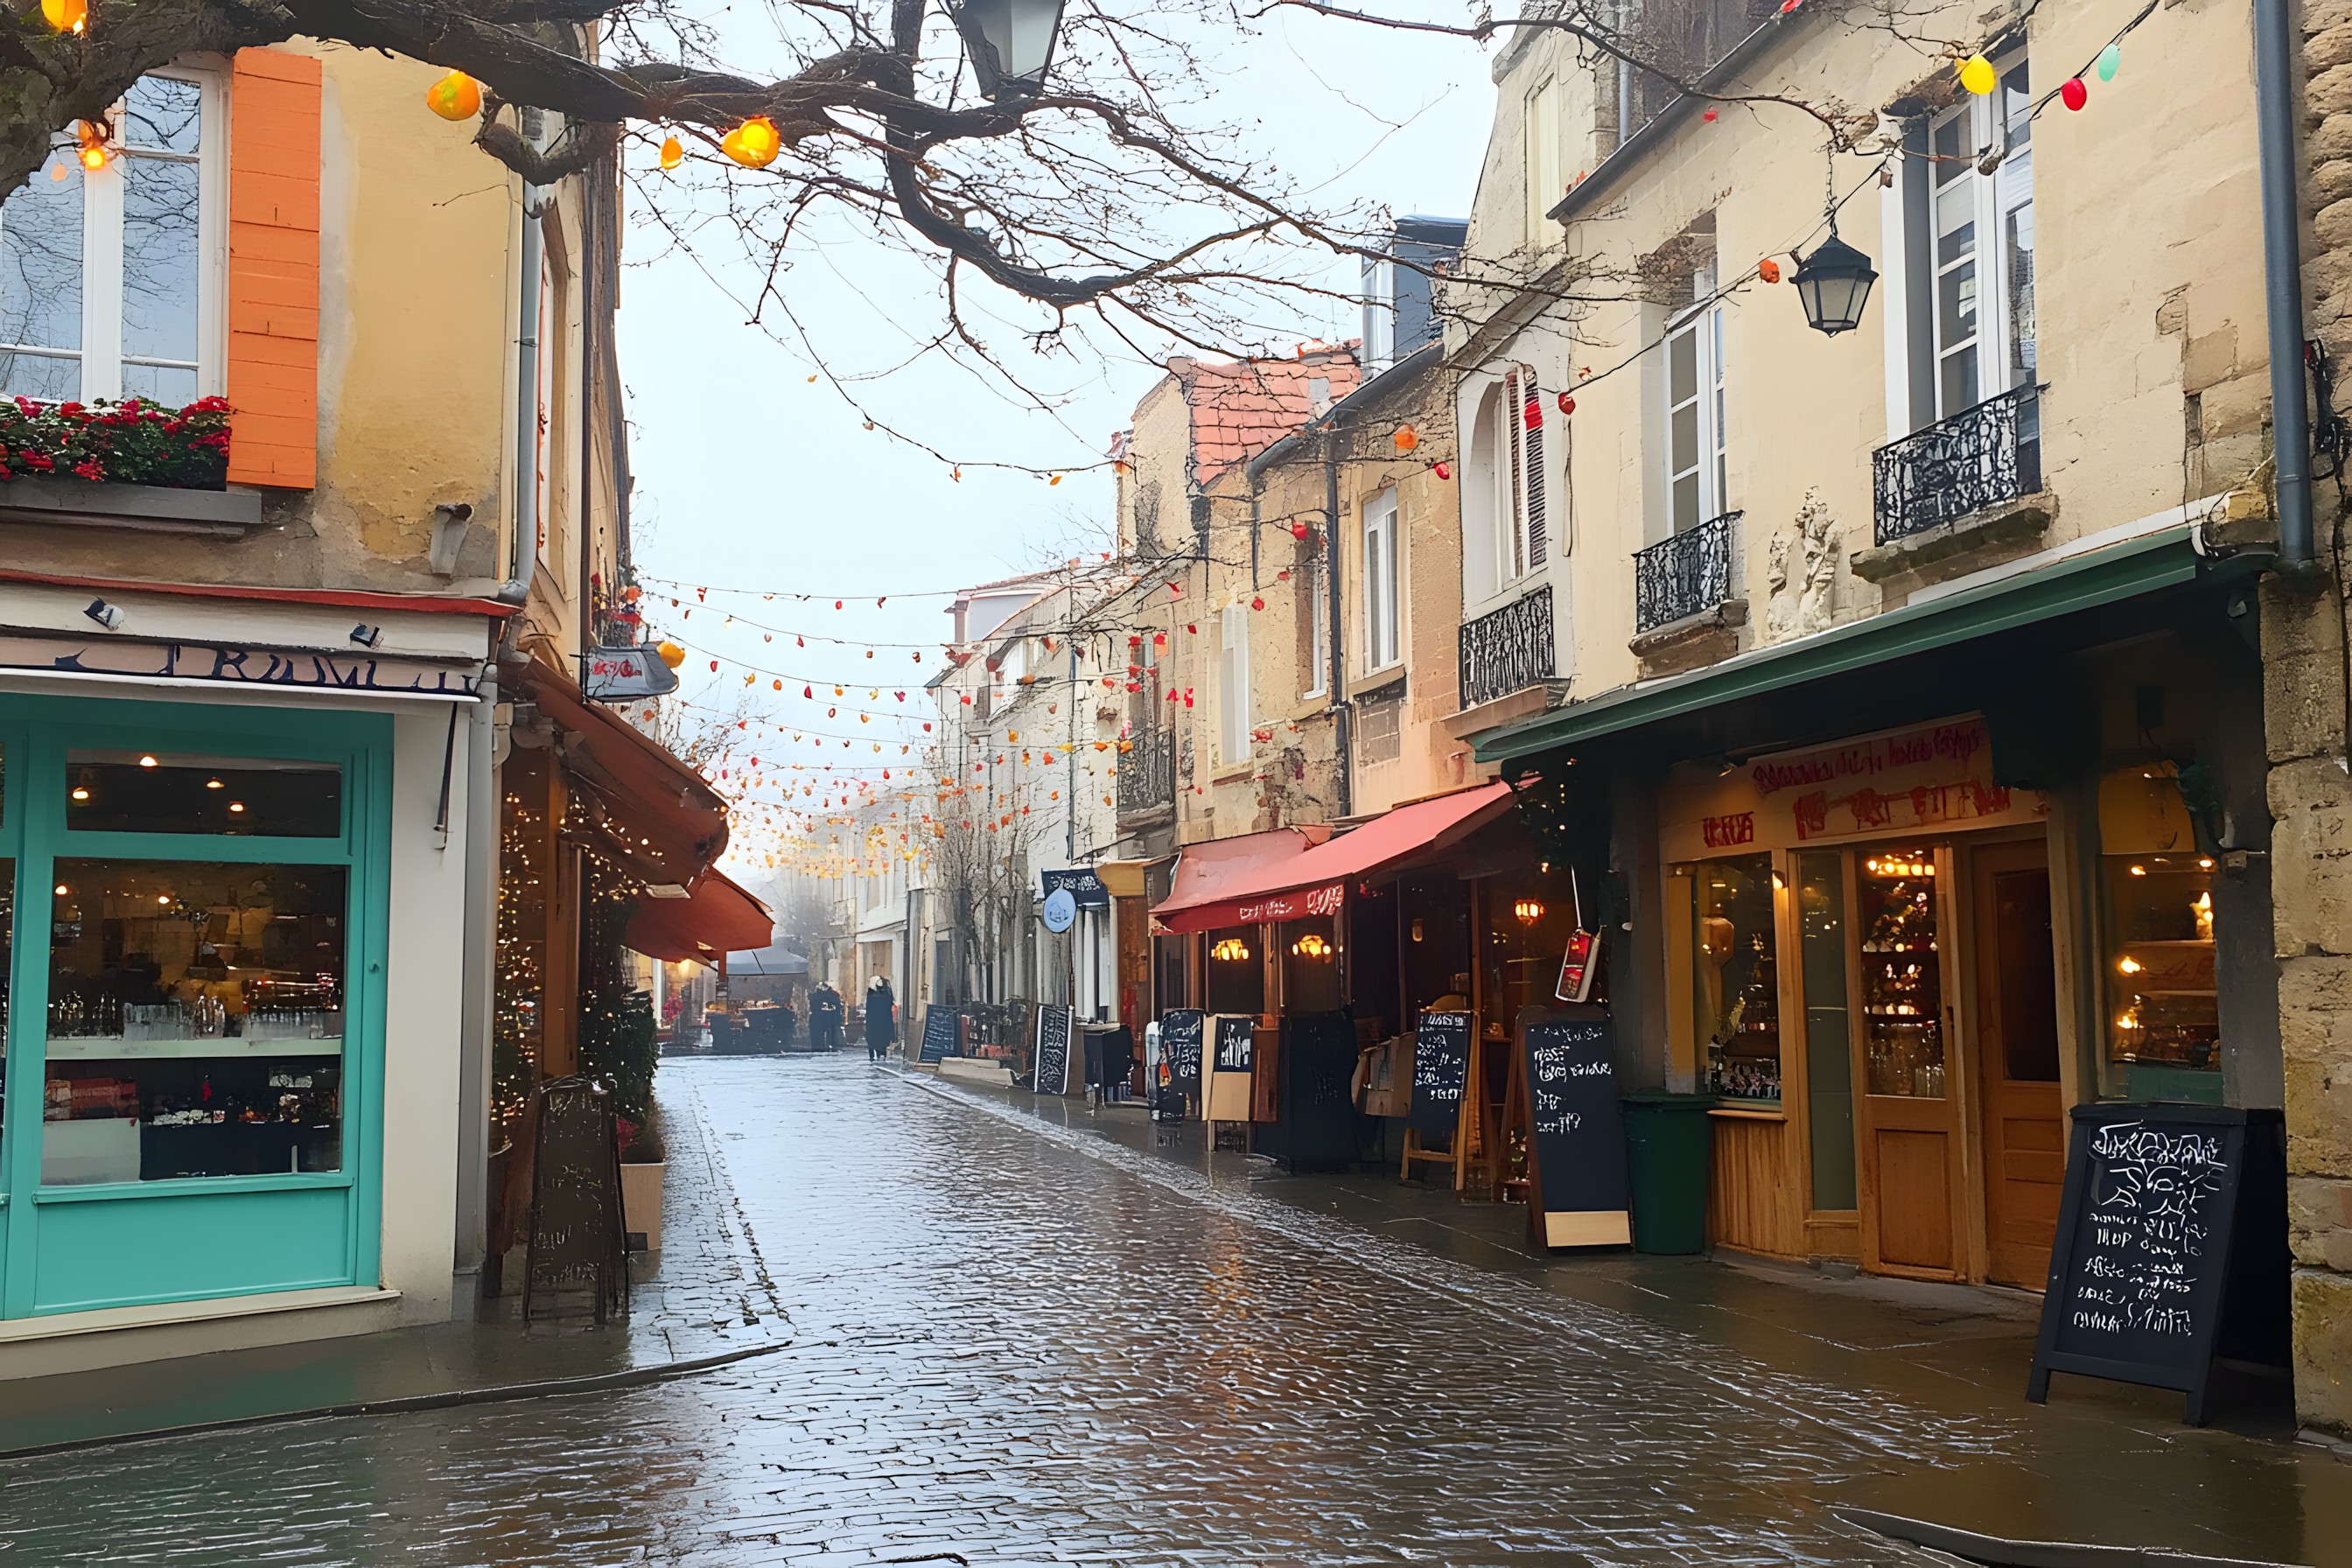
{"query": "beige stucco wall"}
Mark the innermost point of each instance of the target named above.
(2148, 290)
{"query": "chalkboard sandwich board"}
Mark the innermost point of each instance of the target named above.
(2171, 1235)
(942, 1027)
(576, 1236)
(1576, 1139)
(1051, 1056)
(1441, 1071)
(1179, 1077)
(1234, 1043)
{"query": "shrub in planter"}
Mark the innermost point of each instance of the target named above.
(134, 442)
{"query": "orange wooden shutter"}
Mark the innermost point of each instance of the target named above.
(273, 270)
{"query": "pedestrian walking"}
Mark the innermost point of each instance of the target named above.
(881, 1020)
(825, 1010)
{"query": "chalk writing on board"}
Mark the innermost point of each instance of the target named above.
(1236, 1038)
(1052, 1066)
(1179, 1047)
(1441, 1070)
(2148, 1227)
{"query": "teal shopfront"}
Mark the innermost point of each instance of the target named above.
(195, 942)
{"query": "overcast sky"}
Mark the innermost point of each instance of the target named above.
(749, 476)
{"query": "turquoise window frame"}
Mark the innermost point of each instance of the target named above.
(80, 1249)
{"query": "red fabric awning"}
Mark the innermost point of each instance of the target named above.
(720, 917)
(1210, 875)
(1245, 889)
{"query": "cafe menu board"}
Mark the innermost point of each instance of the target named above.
(2151, 1245)
(1576, 1143)
(1052, 1056)
(1236, 1038)
(940, 1029)
(1180, 1049)
(576, 1198)
(1441, 1071)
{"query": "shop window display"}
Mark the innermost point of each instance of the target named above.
(2166, 1004)
(1737, 999)
(196, 1022)
(1901, 974)
(1829, 1063)
(109, 791)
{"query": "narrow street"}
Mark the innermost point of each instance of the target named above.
(1013, 1342)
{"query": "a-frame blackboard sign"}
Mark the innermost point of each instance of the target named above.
(1576, 1137)
(2165, 1241)
(942, 1030)
(1051, 1057)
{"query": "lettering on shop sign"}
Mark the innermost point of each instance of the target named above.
(1731, 828)
(1179, 1050)
(942, 1030)
(238, 666)
(1292, 906)
(1950, 745)
(1052, 1058)
(1441, 1071)
(1236, 1036)
(2144, 1257)
(1576, 1145)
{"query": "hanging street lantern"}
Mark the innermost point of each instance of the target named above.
(1833, 282)
(1009, 42)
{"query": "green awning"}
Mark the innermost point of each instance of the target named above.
(2162, 559)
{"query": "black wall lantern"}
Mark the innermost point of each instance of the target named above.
(1834, 283)
(1009, 42)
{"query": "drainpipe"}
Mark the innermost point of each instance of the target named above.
(474, 990)
(2275, 105)
(526, 492)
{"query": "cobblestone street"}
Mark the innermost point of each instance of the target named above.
(1012, 1342)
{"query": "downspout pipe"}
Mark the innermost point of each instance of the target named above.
(2275, 97)
(526, 487)
(1343, 712)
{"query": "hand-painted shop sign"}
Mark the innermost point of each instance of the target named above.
(619, 673)
(1295, 904)
(1932, 778)
(1082, 884)
(239, 666)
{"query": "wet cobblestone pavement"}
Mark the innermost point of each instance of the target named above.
(1012, 1342)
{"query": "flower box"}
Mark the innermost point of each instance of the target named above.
(152, 508)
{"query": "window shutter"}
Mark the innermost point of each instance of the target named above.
(273, 270)
(1539, 540)
(1515, 492)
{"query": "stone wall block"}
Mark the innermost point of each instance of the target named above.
(2326, 45)
(2330, 139)
(2240, 406)
(2311, 845)
(2323, 1349)
(2319, 1222)
(2328, 92)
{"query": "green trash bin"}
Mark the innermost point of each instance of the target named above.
(1668, 1142)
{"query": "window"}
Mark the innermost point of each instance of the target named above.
(1317, 605)
(1975, 266)
(1736, 997)
(1232, 686)
(2164, 1000)
(142, 792)
(1521, 537)
(1545, 186)
(1697, 479)
(1381, 587)
(1379, 314)
(195, 1020)
(111, 278)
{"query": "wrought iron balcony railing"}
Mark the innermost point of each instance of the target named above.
(1147, 775)
(1687, 574)
(1508, 649)
(1975, 460)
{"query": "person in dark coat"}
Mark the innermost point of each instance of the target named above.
(825, 1010)
(881, 1020)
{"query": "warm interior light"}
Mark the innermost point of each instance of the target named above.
(1311, 945)
(1416, 929)
(2139, 871)
(212, 783)
(81, 793)
(1231, 949)
(2204, 862)
(147, 761)
(2128, 966)
(1528, 910)
(237, 805)
(61, 890)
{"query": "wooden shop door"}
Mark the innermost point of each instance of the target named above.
(1907, 1121)
(2024, 1124)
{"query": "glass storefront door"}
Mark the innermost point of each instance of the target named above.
(191, 1064)
(1908, 1122)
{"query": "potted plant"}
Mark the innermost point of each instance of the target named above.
(643, 1162)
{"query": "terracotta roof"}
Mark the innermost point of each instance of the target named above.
(1240, 407)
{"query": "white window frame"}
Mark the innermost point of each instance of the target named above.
(1701, 324)
(1989, 200)
(1522, 536)
(1233, 686)
(1383, 590)
(1545, 185)
(1318, 629)
(101, 353)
